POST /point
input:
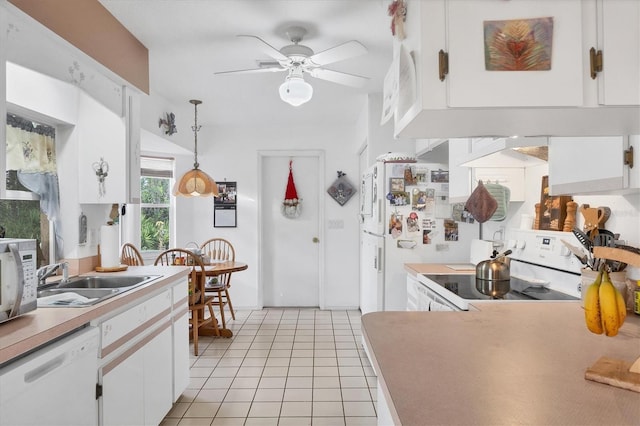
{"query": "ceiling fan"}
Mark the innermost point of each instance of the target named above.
(298, 59)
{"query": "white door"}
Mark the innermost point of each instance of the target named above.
(290, 255)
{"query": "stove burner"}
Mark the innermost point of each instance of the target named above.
(467, 287)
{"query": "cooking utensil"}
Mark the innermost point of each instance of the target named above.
(603, 240)
(576, 252)
(583, 238)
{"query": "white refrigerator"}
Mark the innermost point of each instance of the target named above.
(405, 218)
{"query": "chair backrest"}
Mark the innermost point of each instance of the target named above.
(130, 255)
(218, 249)
(197, 275)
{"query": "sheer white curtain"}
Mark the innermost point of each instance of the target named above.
(31, 151)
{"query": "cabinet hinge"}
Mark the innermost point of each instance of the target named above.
(628, 157)
(98, 390)
(443, 64)
(595, 62)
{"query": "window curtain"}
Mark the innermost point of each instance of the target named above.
(31, 151)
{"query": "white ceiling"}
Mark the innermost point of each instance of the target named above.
(189, 40)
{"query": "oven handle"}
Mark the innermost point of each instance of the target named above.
(16, 256)
(439, 302)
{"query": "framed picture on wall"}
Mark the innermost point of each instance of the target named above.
(225, 206)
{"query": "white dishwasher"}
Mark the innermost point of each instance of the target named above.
(55, 385)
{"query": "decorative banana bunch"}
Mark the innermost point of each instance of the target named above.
(604, 307)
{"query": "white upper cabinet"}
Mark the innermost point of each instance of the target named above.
(593, 165)
(457, 92)
(101, 139)
(472, 84)
(619, 39)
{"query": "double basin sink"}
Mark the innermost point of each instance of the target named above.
(89, 290)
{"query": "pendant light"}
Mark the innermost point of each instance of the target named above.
(195, 183)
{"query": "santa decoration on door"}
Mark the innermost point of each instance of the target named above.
(291, 205)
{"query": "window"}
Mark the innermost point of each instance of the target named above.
(30, 162)
(156, 210)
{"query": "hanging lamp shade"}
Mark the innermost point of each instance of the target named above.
(195, 182)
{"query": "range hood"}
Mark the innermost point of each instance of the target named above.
(507, 152)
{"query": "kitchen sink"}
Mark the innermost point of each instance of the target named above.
(101, 282)
(76, 297)
(89, 290)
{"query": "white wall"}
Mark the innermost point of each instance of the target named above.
(231, 153)
(625, 209)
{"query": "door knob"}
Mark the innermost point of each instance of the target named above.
(316, 240)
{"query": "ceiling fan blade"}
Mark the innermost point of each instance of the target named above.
(267, 48)
(339, 77)
(340, 52)
(252, 71)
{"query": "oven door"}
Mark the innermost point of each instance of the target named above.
(441, 297)
(429, 300)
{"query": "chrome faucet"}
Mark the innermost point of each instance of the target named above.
(48, 270)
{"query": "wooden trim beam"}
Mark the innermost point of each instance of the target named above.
(90, 27)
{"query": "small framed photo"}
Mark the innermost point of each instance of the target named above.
(396, 184)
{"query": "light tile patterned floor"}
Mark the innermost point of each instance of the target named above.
(281, 367)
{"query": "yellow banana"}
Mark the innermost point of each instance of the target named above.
(592, 315)
(622, 307)
(609, 306)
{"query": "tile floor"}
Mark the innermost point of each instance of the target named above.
(281, 367)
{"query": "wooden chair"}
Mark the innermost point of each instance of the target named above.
(219, 249)
(130, 255)
(198, 301)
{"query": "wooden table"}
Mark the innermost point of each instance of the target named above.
(214, 270)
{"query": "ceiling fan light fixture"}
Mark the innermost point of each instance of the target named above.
(295, 91)
(195, 182)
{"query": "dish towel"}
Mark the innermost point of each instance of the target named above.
(502, 194)
(481, 204)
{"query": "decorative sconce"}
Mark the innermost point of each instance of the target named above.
(169, 124)
(102, 171)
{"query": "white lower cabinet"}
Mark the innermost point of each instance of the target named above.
(138, 390)
(383, 410)
(144, 359)
(412, 293)
(180, 335)
(123, 388)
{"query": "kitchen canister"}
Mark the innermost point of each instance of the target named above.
(588, 276)
(109, 246)
(633, 278)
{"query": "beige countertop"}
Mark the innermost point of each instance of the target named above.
(438, 268)
(507, 363)
(38, 327)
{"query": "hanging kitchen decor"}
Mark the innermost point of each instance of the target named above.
(291, 206)
(398, 12)
(168, 124)
(341, 189)
(102, 171)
